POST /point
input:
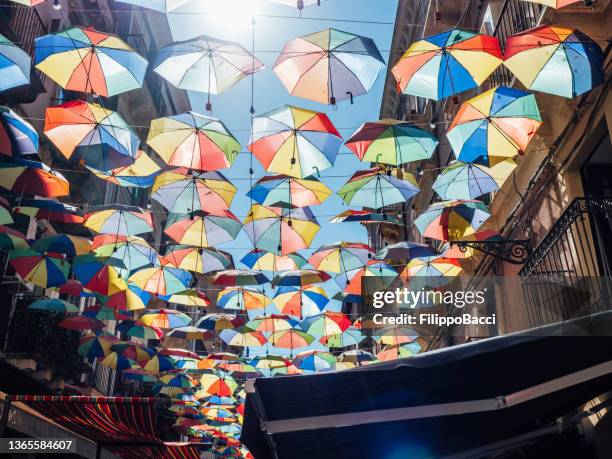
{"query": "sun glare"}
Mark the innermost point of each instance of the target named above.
(236, 12)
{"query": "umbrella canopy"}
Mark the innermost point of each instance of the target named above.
(130, 299)
(81, 322)
(99, 275)
(53, 304)
(162, 6)
(193, 141)
(44, 270)
(15, 65)
(190, 333)
(267, 261)
(301, 302)
(141, 174)
(93, 346)
(85, 60)
(356, 356)
(119, 362)
(452, 220)
(447, 64)
(294, 141)
(405, 250)
(219, 384)
(397, 352)
(5, 214)
(281, 231)
(189, 297)
(17, 136)
(49, 209)
(555, 60)
(315, 361)
(63, 243)
(11, 239)
(469, 181)
(159, 363)
(341, 256)
(364, 217)
(205, 64)
(218, 322)
(329, 66)
(161, 280)
(119, 220)
(97, 137)
(183, 191)
(165, 318)
(395, 336)
(391, 142)
(349, 337)
(325, 324)
(199, 260)
(130, 251)
(300, 278)
(288, 192)
(139, 330)
(203, 229)
(32, 177)
(106, 313)
(374, 189)
(242, 337)
(432, 268)
(379, 276)
(239, 278)
(494, 125)
(271, 323)
(290, 339)
(241, 299)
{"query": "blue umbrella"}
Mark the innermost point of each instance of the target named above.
(17, 136)
(15, 65)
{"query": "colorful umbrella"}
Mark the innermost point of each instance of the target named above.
(161, 280)
(119, 220)
(11, 239)
(180, 380)
(193, 141)
(219, 384)
(447, 64)
(45, 270)
(397, 352)
(33, 178)
(190, 297)
(81, 322)
(301, 302)
(349, 337)
(395, 336)
(437, 270)
(130, 299)
(391, 142)
(118, 362)
(141, 174)
(280, 231)
(48, 209)
(85, 60)
(405, 250)
(97, 137)
(183, 191)
(271, 323)
(106, 313)
(5, 214)
(203, 229)
(98, 276)
(341, 256)
(241, 299)
(53, 304)
(300, 278)
(267, 261)
(329, 66)
(451, 220)
(239, 278)
(374, 189)
(218, 322)
(93, 346)
(199, 260)
(357, 356)
(315, 361)
(364, 217)
(326, 324)
(555, 60)
(205, 64)
(134, 351)
(17, 136)
(165, 318)
(294, 141)
(130, 251)
(288, 192)
(290, 339)
(15, 65)
(377, 275)
(242, 337)
(63, 243)
(139, 330)
(469, 181)
(158, 364)
(189, 333)
(494, 125)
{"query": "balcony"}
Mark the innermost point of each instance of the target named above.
(568, 275)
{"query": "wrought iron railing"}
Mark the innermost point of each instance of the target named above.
(514, 17)
(568, 274)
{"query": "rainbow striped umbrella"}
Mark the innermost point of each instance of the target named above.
(380, 276)
(391, 142)
(315, 361)
(15, 65)
(182, 191)
(494, 125)
(165, 318)
(161, 280)
(341, 256)
(17, 136)
(217, 322)
(281, 231)
(294, 141)
(239, 278)
(130, 251)
(436, 271)
(329, 66)
(93, 346)
(300, 278)
(85, 60)
(271, 323)
(97, 137)
(395, 336)
(288, 192)
(290, 339)
(98, 275)
(130, 299)
(267, 261)
(32, 178)
(326, 324)
(159, 364)
(365, 217)
(118, 362)
(11, 239)
(398, 352)
(139, 330)
(44, 270)
(301, 302)
(141, 174)
(452, 220)
(200, 260)
(468, 181)
(193, 141)
(119, 220)
(189, 297)
(49, 209)
(555, 60)
(446, 64)
(374, 189)
(189, 333)
(63, 243)
(220, 384)
(349, 337)
(242, 299)
(242, 337)
(203, 229)
(53, 304)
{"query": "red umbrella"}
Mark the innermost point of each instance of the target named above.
(80, 322)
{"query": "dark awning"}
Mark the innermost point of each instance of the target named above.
(433, 405)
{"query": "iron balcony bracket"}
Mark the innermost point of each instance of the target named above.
(515, 251)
